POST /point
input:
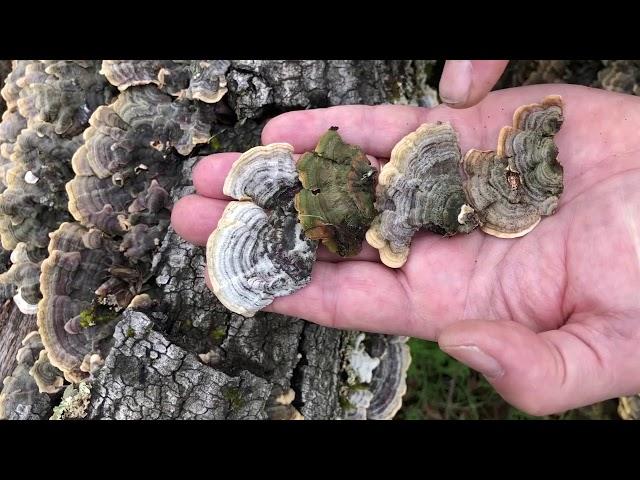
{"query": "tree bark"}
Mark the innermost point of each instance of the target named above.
(14, 326)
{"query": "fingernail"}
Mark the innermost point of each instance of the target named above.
(475, 358)
(457, 82)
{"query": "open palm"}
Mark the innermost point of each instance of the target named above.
(553, 318)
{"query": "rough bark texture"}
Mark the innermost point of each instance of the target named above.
(147, 377)
(14, 326)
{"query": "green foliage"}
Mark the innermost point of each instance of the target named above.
(440, 387)
(218, 333)
(96, 315)
(215, 144)
(233, 396)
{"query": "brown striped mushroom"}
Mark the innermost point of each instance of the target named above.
(420, 188)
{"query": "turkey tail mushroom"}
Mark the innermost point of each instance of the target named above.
(420, 187)
(119, 197)
(202, 80)
(48, 378)
(20, 398)
(255, 255)
(262, 174)
(335, 204)
(513, 187)
(376, 376)
(70, 275)
(629, 407)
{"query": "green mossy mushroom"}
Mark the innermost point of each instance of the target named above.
(335, 204)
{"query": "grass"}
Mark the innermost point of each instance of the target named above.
(439, 388)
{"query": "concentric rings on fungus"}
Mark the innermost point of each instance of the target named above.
(506, 191)
(513, 187)
(259, 251)
(420, 188)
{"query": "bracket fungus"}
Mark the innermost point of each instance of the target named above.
(49, 103)
(123, 170)
(202, 80)
(258, 250)
(125, 163)
(24, 273)
(335, 204)
(513, 187)
(70, 276)
(389, 382)
(420, 187)
(48, 378)
(629, 407)
(20, 397)
(281, 407)
(263, 174)
(376, 376)
(506, 191)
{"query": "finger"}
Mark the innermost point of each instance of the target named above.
(194, 217)
(351, 295)
(586, 144)
(549, 372)
(465, 82)
(211, 171)
(378, 128)
(374, 128)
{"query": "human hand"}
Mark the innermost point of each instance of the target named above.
(464, 83)
(553, 318)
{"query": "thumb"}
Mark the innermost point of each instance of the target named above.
(541, 374)
(466, 82)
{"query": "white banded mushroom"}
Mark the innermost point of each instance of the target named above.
(259, 251)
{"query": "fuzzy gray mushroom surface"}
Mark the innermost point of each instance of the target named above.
(259, 251)
(420, 188)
